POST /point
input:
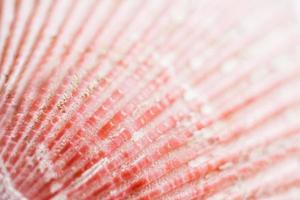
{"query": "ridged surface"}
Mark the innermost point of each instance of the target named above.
(158, 99)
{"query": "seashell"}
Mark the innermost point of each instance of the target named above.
(135, 99)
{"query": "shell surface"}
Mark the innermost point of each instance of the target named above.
(155, 99)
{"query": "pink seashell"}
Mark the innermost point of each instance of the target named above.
(180, 99)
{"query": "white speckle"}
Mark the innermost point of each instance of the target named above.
(167, 60)
(54, 187)
(50, 174)
(113, 192)
(197, 133)
(256, 153)
(7, 189)
(198, 161)
(45, 165)
(60, 197)
(220, 125)
(178, 17)
(195, 63)
(225, 166)
(219, 196)
(229, 66)
(137, 135)
(134, 37)
(179, 14)
(207, 133)
(206, 109)
(190, 94)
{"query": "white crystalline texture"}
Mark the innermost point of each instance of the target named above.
(7, 189)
